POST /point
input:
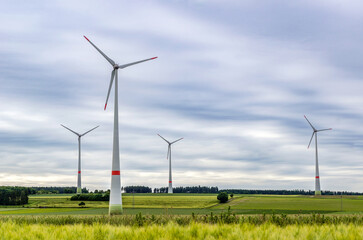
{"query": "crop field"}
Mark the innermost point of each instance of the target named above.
(138, 201)
(172, 231)
(296, 204)
(186, 216)
(187, 204)
(225, 226)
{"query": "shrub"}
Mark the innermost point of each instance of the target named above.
(222, 197)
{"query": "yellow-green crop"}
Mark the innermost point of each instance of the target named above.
(12, 230)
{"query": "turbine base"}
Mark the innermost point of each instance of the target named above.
(115, 209)
(79, 190)
(317, 193)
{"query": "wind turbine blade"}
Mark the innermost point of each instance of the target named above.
(71, 130)
(104, 55)
(311, 139)
(109, 88)
(309, 123)
(164, 139)
(89, 130)
(133, 63)
(324, 129)
(176, 140)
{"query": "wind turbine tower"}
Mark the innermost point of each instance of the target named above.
(79, 188)
(115, 207)
(317, 177)
(168, 156)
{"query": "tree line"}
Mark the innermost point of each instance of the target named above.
(287, 192)
(137, 189)
(193, 189)
(14, 195)
(55, 190)
(91, 197)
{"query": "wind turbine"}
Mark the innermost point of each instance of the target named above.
(317, 177)
(168, 156)
(115, 194)
(79, 188)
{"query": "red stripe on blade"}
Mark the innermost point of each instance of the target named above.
(86, 38)
(115, 172)
(105, 106)
(154, 58)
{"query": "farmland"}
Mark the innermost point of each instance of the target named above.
(182, 227)
(173, 231)
(186, 204)
(186, 216)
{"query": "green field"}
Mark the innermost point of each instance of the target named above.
(222, 226)
(12, 230)
(186, 204)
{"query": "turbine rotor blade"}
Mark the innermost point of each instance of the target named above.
(176, 140)
(71, 130)
(104, 55)
(309, 123)
(311, 139)
(324, 129)
(109, 88)
(133, 63)
(164, 139)
(89, 131)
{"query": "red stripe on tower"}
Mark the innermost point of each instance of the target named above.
(169, 181)
(317, 177)
(115, 172)
(79, 172)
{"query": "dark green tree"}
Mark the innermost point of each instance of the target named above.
(222, 197)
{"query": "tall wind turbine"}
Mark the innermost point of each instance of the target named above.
(168, 156)
(115, 194)
(317, 177)
(79, 188)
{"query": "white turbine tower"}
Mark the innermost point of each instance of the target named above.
(317, 177)
(115, 194)
(79, 188)
(168, 156)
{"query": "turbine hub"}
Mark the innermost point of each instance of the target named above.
(116, 66)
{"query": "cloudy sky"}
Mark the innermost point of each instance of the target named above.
(234, 78)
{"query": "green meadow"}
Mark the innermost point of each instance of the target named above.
(187, 204)
(186, 216)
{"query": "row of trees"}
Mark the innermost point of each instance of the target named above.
(91, 197)
(194, 189)
(51, 190)
(287, 192)
(14, 195)
(137, 189)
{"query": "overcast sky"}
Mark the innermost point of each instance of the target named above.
(234, 78)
